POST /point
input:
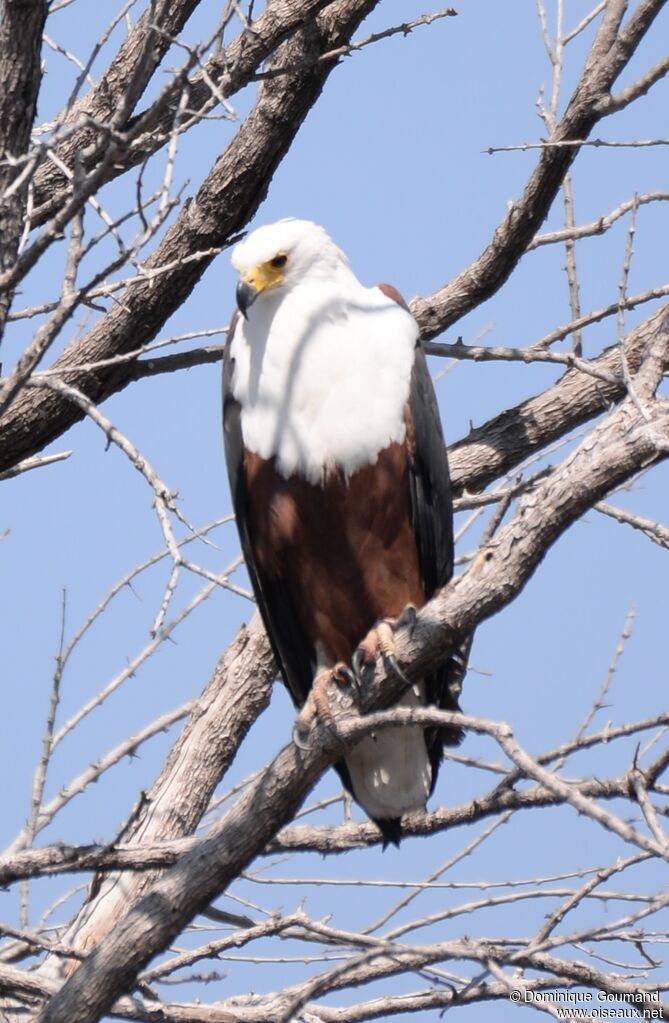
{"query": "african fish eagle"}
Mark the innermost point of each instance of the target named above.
(340, 485)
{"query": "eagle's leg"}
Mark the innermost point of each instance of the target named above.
(317, 704)
(381, 640)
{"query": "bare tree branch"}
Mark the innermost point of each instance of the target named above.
(147, 855)
(656, 532)
(599, 226)
(119, 88)
(492, 449)
(21, 27)
(237, 692)
(607, 58)
(230, 68)
(222, 206)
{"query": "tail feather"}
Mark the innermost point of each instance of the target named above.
(391, 829)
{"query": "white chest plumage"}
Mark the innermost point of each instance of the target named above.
(322, 374)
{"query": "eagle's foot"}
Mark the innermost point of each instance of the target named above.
(381, 640)
(317, 704)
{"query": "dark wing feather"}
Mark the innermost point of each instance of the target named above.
(431, 502)
(293, 652)
(432, 517)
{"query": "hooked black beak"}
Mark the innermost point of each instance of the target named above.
(246, 295)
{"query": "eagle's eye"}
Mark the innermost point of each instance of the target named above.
(279, 261)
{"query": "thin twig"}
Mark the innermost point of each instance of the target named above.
(37, 462)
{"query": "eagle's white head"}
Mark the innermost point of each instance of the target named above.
(322, 364)
(276, 258)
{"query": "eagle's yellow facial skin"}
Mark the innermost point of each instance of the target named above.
(265, 275)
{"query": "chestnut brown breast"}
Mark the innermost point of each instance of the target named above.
(345, 549)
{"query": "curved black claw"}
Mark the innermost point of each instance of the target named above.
(344, 674)
(350, 677)
(391, 661)
(298, 738)
(408, 618)
(359, 667)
